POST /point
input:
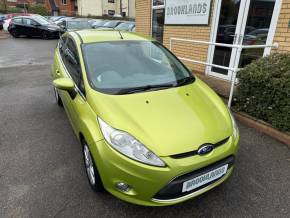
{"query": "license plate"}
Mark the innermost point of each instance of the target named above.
(204, 179)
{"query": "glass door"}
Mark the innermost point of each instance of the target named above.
(239, 21)
(158, 15)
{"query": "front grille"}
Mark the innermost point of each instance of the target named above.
(173, 190)
(192, 153)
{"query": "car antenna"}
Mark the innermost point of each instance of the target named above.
(120, 34)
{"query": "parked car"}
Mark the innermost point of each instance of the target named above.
(152, 133)
(256, 36)
(74, 24)
(56, 18)
(110, 24)
(99, 24)
(126, 26)
(94, 21)
(33, 26)
(59, 21)
(226, 33)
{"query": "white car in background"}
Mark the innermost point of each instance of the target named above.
(6, 24)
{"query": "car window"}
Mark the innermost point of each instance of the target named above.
(27, 21)
(62, 46)
(113, 66)
(17, 20)
(71, 61)
(125, 26)
(78, 25)
(111, 24)
(41, 20)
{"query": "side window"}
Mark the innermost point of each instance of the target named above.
(17, 20)
(71, 61)
(62, 46)
(27, 21)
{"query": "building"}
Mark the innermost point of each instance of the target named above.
(56, 7)
(62, 7)
(106, 7)
(247, 22)
(23, 3)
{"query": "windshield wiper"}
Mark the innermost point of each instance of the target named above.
(144, 88)
(185, 81)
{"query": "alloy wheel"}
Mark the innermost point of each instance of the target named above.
(45, 35)
(89, 164)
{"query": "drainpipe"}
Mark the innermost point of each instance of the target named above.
(121, 7)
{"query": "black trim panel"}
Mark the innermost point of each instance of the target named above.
(192, 153)
(174, 189)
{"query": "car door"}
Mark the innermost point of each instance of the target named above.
(30, 27)
(76, 102)
(59, 71)
(18, 25)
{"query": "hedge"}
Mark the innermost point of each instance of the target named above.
(32, 8)
(264, 90)
(38, 9)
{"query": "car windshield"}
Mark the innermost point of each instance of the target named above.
(111, 24)
(121, 67)
(78, 24)
(125, 26)
(41, 20)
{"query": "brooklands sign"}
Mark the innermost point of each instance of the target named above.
(187, 12)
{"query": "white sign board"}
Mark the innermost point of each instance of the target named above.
(195, 12)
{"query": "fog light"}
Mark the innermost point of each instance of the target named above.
(123, 187)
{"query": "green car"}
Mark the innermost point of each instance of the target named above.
(152, 133)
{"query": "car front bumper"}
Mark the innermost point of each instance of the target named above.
(149, 184)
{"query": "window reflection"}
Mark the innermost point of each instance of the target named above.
(158, 2)
(259, 17)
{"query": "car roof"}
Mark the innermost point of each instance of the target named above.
(95, 35)
(76, 19)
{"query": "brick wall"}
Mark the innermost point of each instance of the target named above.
(68, 9)
(185, 49)
(282, 35)
(143, 16)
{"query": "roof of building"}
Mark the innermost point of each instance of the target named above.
(95, 35)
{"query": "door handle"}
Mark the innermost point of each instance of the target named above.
(57, 72)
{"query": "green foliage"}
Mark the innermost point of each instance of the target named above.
(14, 10)
(38, 9)
(2, 8)
(264, 90)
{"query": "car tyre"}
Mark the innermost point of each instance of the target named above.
(91, 169)
(57, 97)
(44, 35)
(14, 33)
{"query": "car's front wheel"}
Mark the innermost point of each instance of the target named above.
(14, 33)
(57, 98)
(91, 169)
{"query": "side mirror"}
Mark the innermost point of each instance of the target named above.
(66, 84)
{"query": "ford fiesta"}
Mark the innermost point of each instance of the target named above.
(152, 133)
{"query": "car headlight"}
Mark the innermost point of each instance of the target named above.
(234, 124)
(128, 145)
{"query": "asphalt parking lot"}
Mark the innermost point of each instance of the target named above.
(41, 166)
